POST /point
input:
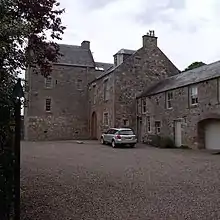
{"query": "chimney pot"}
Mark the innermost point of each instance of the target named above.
(149, 40)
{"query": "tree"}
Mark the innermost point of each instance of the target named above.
(194, 65)
(28, 33)
(25, 29)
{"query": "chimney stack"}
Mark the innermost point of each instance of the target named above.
(149, 40)
(85, 45)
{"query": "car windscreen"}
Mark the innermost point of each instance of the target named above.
(126, 132)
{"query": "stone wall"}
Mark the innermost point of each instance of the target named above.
(208, 105)
(99, 106)
(147, 66)
(129, 79)
(68, 118)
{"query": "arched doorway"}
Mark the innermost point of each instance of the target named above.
(94, 126)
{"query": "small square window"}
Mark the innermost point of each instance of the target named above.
(79, 85)
(125, 122)
(48, 105)
(157, 127)
(48, 82)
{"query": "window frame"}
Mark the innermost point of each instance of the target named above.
(81, 84)
(169, 99)
(46, 104)
(106, 89)
(193, 96)
(148, 124)
(144, 107)
(46, 82)
(94, 87)
(105, 113)
(156, 127)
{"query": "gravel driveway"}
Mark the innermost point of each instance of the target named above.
(65, 180)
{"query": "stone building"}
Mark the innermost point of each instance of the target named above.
(112, 96)
(184, 107)
(82, 98)
(57, 107)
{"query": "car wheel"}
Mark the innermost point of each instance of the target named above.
(113, 144)
(102, 141)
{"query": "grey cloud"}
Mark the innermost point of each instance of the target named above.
(176, 4)
(95, 4)
(156, 13)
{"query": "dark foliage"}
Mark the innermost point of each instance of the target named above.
(194, 65)
(28, 33)
(160, 141)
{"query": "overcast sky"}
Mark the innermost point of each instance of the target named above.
(187, 30)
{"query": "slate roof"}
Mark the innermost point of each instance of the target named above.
(126, 51)
(197, 75)
(75, 55)
(105, 66)
(113, 67)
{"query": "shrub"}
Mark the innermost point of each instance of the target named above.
(159, 141)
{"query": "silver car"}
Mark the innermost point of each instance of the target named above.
(119, 136)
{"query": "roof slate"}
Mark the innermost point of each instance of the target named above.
(105, 66)
(197, 75)
(75, 55)
(125, 51)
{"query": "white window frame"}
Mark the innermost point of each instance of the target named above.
(48, 82)
(48, 98)
(156, 127)
(169, 99)
(106, 123)
(148, 124)
(144, 106)
(193, 95)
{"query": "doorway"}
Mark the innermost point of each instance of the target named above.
(94, 126)
(178, 133)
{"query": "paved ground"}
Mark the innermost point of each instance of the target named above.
(65, 180)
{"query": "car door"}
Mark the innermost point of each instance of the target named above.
(106, 136)
(112, 134)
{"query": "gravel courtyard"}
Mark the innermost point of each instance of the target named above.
(66, 180)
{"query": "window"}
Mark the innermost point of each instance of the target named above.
(94, 93)
(144, 106)
(79, 84)
(148, 124)
(106, 89)
(126, 132)
(112, 131)
(169, 98)
(48, 105)
(48, 82)
(157, 127)
(125, 122)
(105, 118)
(193, 95)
